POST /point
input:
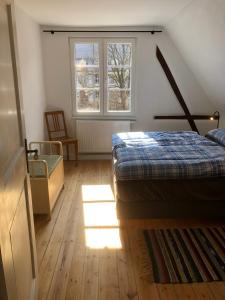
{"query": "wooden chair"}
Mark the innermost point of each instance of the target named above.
(57, 131)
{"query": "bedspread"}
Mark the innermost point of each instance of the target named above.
(166, 155)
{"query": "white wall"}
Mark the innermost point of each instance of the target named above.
(153, 92)
(199, 33)
(31, 71)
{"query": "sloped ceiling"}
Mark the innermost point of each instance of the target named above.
(199, 34)
(102, 12)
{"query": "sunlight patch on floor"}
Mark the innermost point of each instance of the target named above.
(98, 192)
(100, 214)
(99, 210)
(103, 238)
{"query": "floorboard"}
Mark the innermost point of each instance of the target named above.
(84, 252)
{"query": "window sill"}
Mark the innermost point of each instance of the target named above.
(106, 118)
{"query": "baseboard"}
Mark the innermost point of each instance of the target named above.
(92, 156)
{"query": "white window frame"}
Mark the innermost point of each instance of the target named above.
(74, 102)
(103, 114)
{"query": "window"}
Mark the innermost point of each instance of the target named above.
(103, 77)
(87, 77)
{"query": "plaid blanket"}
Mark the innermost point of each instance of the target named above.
(166, 155)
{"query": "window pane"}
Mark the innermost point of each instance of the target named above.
(87, 78)
(119, 54)
(118, 100)
(87, 100)
(119, 64)
(118, 78)
(87, 75)
(86, 53)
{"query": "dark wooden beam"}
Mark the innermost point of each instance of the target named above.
(194, 117)
(175, 88)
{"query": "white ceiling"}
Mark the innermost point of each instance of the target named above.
(102, 12)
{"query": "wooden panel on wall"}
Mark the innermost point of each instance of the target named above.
(19, 235)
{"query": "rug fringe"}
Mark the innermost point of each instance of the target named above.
(144, 262)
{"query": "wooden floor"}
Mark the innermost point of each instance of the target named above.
(83, 252)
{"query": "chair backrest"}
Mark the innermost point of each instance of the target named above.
(56, 125)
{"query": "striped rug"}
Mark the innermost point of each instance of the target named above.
(185, 255)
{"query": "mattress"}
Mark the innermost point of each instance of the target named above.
(166, 155)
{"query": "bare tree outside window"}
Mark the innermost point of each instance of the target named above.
(119, 57)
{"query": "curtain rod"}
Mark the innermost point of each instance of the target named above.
(77, 31)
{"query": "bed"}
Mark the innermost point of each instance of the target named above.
(169, 175)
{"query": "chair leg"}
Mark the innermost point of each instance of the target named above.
(76, 152)
(67, 152)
